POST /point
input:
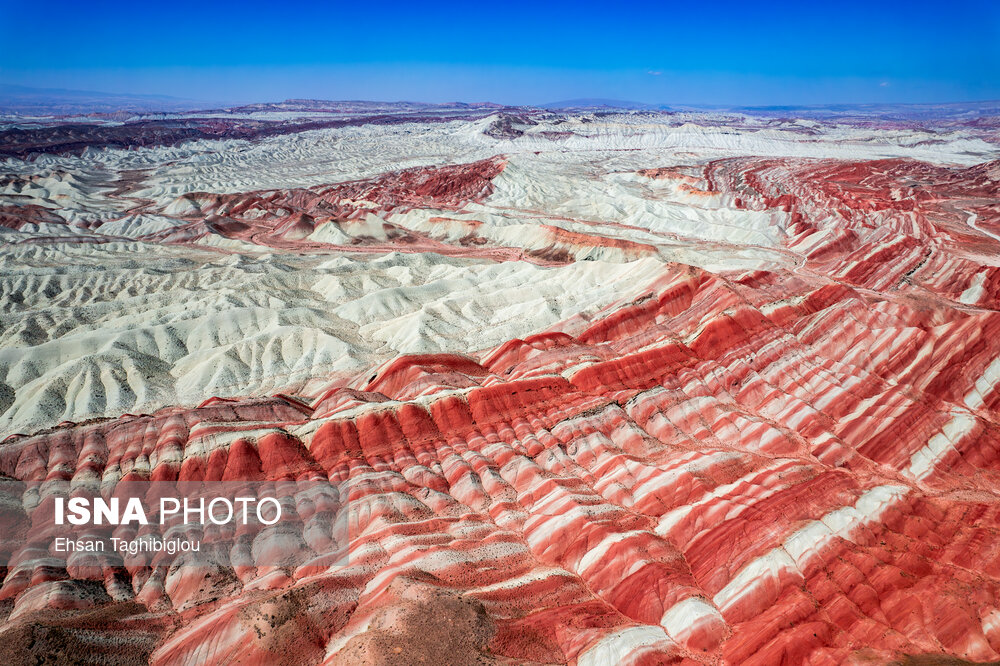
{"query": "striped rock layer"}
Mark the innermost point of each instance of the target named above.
(797, 465)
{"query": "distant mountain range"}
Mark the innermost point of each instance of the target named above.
(599, 103)
(357, 106)
(952, 110)
(24, 100)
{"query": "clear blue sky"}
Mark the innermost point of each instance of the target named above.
(514, 52)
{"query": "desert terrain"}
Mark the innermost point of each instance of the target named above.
(600, 385)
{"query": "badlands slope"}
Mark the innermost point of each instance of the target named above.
(601, 388)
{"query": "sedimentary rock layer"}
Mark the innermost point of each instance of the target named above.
(592, 409)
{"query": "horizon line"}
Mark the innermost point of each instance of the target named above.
(569, 103)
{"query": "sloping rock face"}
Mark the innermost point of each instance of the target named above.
(795, 463)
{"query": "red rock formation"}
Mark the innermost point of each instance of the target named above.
(283, 218)
(754, 467)
(853, 220)
(15, 217)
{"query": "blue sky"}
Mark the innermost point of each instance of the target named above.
(658, 52)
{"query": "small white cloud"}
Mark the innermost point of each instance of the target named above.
(654, 72)
(884, 84)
